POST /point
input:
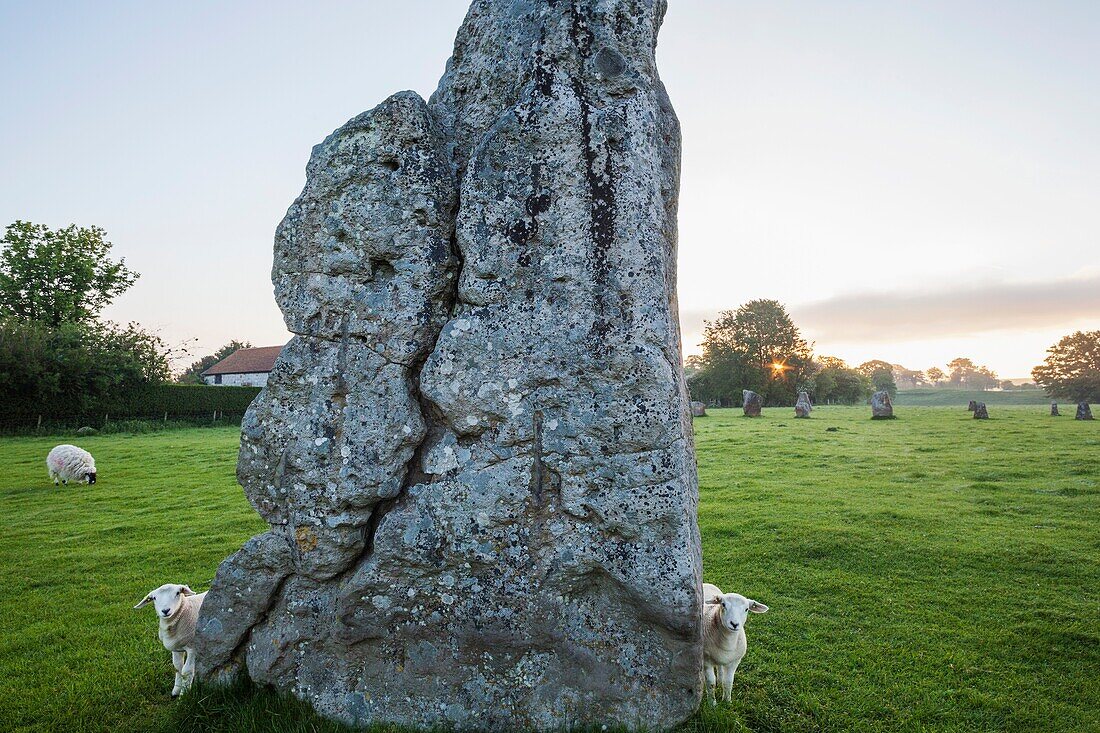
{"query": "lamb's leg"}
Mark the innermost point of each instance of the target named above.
(177, 662)
(727, 681)
(711, 681)
(188, 670)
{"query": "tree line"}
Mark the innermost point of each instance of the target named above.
(56, 353)
(758, 347)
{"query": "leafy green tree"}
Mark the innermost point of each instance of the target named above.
(868, 368)
(756, 347)
(935, 375)
(837, 383)
(1071, 370)
(851, 387)
(68, 371)
(983, 378)
(959, 371)
(56, 277)
(883, 379)
(909, 378)
(192, 374)
(965, 373)
(824, 385)
(880, 374)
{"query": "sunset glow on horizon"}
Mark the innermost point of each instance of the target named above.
(914, 182)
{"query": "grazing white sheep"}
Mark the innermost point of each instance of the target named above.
(177, 609)
(68, 463)
(724, 642)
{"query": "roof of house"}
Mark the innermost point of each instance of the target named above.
(247, 361)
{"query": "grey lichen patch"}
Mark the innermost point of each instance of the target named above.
(476, 455)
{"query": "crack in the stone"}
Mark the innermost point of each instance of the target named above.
(429, 412)
(601, 185)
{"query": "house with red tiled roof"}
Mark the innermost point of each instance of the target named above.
(244, 367)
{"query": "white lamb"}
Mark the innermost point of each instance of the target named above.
(724, 642)
(178, 610)
(68, 463)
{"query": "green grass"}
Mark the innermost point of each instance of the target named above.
(931, 573)
(943, 397)
(73, 562)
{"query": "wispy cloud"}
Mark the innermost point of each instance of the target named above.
(878, 317)
(955, 311)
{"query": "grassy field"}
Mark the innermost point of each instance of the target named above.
(931, 573)
(941, 397)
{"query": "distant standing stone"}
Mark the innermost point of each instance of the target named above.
(752, 403)
(1084, 412)
(971, 406)
(802, 407)
(881, 407)
(698, 409)
(1054, 410)
(980, 413)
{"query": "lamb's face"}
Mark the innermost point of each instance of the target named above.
(89, 477)
(167, 599)
(736, 609)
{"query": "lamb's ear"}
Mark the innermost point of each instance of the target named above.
(186, 590)
(757, 607)
(716, 601)
(146, 599)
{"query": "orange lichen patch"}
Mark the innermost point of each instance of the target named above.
(306, 539)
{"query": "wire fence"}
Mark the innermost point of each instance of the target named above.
(110, 423)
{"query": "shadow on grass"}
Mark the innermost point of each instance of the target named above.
(244, 707)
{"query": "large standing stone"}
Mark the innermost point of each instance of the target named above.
(802, 406)
(980, 411)
(751, 403)
(476, 454)
(1084, 412)
(1054, 410)
(698, 409)
(881, 406)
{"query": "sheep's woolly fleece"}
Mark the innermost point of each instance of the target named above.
(69, 463)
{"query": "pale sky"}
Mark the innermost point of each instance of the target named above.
(916, 181)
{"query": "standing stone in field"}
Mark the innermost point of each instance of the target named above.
(881, 406)
(803, 407)
(1084, 412)
(971, 406)
(751, 403)
(698, 409)
(1054, 410)
(476, 454)
(980, 413)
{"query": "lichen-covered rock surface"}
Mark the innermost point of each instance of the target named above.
(751, 403)
(802, 407)
(881, 406)
(476, 454)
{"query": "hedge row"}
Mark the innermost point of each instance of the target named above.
(177, 400)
